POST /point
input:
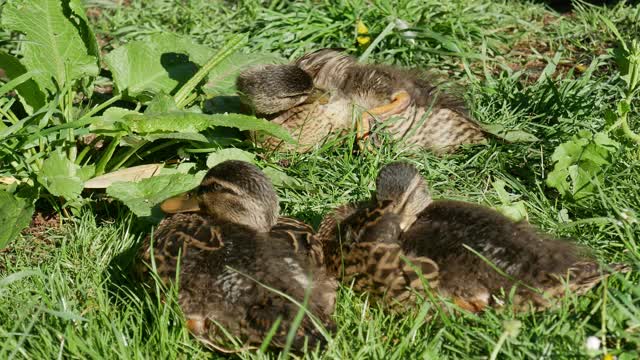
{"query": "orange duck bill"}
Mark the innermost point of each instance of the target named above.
(186, 202)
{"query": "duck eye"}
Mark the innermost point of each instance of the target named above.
(216, 187)
(209, 188)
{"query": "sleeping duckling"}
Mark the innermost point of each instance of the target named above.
(285, 95)
(227, 256)
(270, 89)
(404, 102)
(360, 246)
(458, 235)
(297, 233)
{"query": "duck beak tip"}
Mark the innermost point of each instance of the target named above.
(180, 203)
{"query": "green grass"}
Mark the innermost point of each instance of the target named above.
(68, 294)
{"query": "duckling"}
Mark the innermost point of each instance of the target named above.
(285, 95)
(270, 89)
(228, 253)
(298, 233)
(359, 245)
(423, 116)
(463, 238)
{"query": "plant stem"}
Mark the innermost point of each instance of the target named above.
(82, 154)
(628, 132)
(128, 154)
(603, 336)
(101, 106)
(236, 42)
(159, 147)
(104, 159)
(496, 350)
(387, 30)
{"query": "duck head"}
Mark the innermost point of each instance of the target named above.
(401, 184)
(232, 191)
(270, 89)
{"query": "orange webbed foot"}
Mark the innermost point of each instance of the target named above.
(400, 100)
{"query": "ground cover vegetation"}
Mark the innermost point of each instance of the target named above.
(96, 87)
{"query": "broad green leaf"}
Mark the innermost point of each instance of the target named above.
(190, 122)
(176, 135)
(281, 179)
(15, 215)
(623, 108)
(61, 176)
(503, 195)
(84, 27)
(598, 155)
(581, 185)
(161, 103)
(109, 118)
(558, 179)
(185, 95)
(53, 44)
(222, 79)
(143, 195)
(219, 156)
(604, 140)
(516, 211)
(568, 152)
(86, 172)
(160, 63)
(579, 162)
(509, 135)
(31, 96)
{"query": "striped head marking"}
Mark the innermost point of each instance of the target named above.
(270, 89)
(402, 184)
(239, 192)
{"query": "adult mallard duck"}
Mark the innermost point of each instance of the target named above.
(481, 254)
(405, 102)
(234, 265)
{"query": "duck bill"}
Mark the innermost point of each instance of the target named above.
(181, 203)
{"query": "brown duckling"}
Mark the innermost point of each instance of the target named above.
(270, 89)
(229, 252)
(285, 95)
(422, 116)
(458, 235)
(360, 246)
(298, 233)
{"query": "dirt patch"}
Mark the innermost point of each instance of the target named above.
(37, 244)
(41, 224)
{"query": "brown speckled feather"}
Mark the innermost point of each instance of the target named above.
(543, 268)
(236, 259)
(360, 246)
(221, 266)
(431, 119)
(310, 124)
(481, 253)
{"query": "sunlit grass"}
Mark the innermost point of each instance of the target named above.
(71, 296)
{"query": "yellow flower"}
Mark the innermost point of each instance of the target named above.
(581, 68)
(608, 357)
(363, 37)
